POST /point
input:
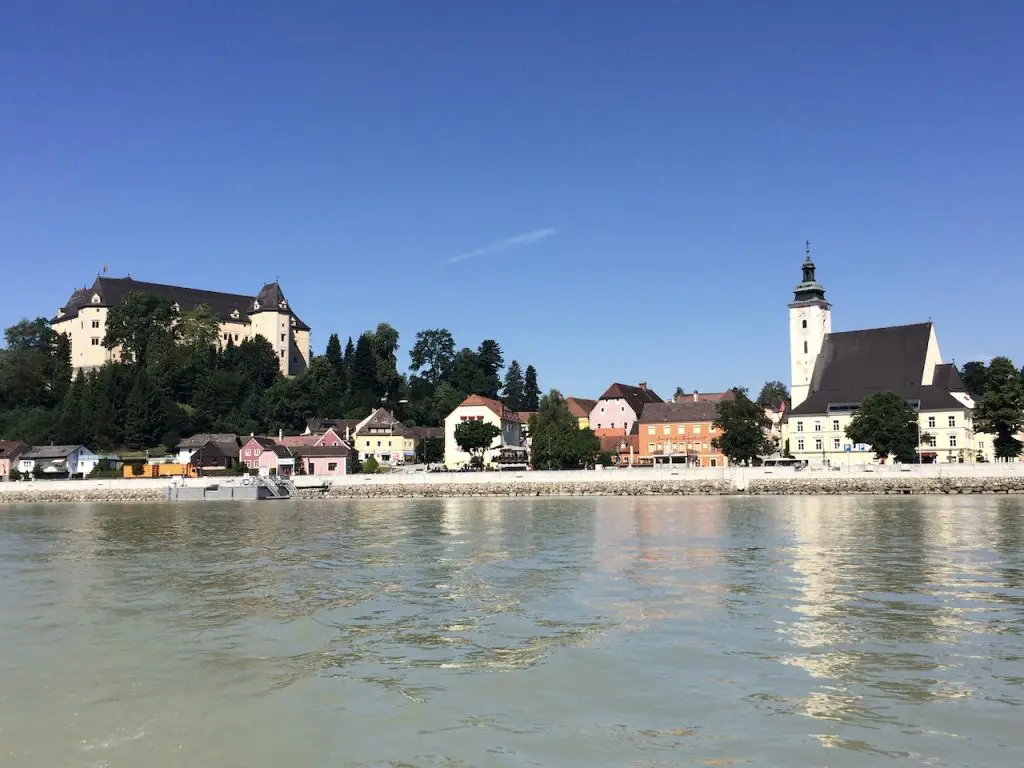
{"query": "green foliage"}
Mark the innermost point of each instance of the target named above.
(974, 375)
(105, 468)
(773, 394)
(531, 392)
(430, 450)
(605, 459)
(145, 416)
(558, 442)
(888, 424)
(132, 324)
(475, 437)
(199, 328)
(433, 354)
(370, 467)
(1000, 411)
(744, 428)
(15, 474)
(515, 387)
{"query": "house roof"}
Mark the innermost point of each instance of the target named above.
(51, 451)
(320, 425)
(380, 418)
(637, 397)
(198, 441)
(855, 364)
(580, 407)
(495, 405)
(12, 449)
(227, 306)
(281, 451)
(420, 433)
(524, 416)
(314, 451)
(265, 442)
(948, 377)
(293, 440)
(679, 411)
(707, 397)
(620, 443)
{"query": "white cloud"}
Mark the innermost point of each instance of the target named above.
(527, 238)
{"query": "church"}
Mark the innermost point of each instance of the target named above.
(833, 372)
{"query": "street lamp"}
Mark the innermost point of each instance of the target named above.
(917, 422)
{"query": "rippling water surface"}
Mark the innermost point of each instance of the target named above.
(484, 632)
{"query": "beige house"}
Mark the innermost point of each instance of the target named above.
(508, 448)
(388, 440)
(834, 372)
(266, 314)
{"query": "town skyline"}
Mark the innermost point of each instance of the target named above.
(645, 177)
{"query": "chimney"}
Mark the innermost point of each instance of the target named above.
(348, 429)
(280, 434)
(643, 385)
(696, 396)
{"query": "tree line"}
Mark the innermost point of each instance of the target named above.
(174, 378)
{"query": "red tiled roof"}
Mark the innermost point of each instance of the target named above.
(495, 405)
(580, 407)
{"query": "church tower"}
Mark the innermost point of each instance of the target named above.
(810, 319)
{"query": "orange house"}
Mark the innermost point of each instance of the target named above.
(681, 432)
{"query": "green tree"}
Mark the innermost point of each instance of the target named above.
(370, 467)
(743, 427)
(974, 374)
(61, 372)
(887, 423)
(1000, 411)
(490, 360)
(131, 323)
(430, 450)
(467, 375)
(199, 327)
(475, 437)
(145, 414)
(531, 392)
(680, 393)
(385, 353)
(773, 394)
(336, 359)
(515, 387)
(363, 377)
(256, 361)
(72, 424)
(433, 354)
(558, 442)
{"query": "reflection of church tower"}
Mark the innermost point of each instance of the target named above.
(810, 320)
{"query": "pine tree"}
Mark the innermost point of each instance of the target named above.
(364, 375)
(1001, 409)
(515, 386)
(491, 361)
(334, 355)
(531, 392)
(145, 414)
(350, 356)
(71, 428)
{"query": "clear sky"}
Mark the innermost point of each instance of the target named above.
(612, 190)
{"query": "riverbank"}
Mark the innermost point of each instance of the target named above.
(935, 479)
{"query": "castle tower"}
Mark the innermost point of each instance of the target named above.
(810, 319)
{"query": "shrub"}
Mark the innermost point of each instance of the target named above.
(370, 466)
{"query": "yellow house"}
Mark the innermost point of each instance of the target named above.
(267, 314)
(580, 408)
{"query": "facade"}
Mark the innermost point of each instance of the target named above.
(834, 372)
(508, 447)
(84, 319)
(682, 432)
(209, 451)
(616, 412)
(580, 407)
(252, 449)
(58, 461)
(276, 460)
(10, 450)
(388, 440)
(319, 425)
(324, 459)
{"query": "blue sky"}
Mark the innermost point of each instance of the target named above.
(614, 191)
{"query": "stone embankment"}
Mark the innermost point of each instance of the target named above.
(893, 485)
(716, 487)
(59, 492)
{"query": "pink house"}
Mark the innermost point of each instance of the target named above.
(277, 460)
(329, 438)
(252, 449)
(324, 459)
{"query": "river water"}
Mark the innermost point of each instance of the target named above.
(485, 632)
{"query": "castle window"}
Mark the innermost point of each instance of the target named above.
(95, 298)
(805, 347)
(255, 305)
(176, 307)
(803, 324)
(234, 314)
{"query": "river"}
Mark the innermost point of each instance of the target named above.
(812, 631)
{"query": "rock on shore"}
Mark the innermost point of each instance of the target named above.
(63, 494)
(884, 485)
(525, 488)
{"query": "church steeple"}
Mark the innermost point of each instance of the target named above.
(809, 289)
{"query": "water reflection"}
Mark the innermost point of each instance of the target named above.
(557, 632)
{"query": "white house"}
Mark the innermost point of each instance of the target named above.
(508, 447)
(833, 372)
(58, 461)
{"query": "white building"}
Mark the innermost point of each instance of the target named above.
(268, 314)
(58, 461)
(508, 447)
(833, 372)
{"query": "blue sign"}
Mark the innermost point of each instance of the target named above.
(848, 448)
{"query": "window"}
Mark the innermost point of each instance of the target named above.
(613, 425)
(378, 443)
(799, 426)
(817, 426)
(803, 324)
(660, 447)
(952, 421)
(622, 408)
(666, 430)
(835, 444)
(650, 430)
(714, 462)
(799, 445)
(95, 341)
(835, 425)
(696, 429)
(282, 337)
(650, 447)
(805, 347)
(282, 353)
(952, 441)
(674, 447)
(931, 422)
(95, 323)
(602, 409)
(711, 428)
(817, 444)
(332, 466)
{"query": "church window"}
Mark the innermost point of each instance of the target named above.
(803, 324)
(805, 347)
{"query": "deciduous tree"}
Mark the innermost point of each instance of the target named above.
(433, 354)
(131, 323)
(773, 394)
(887, 423)
(557, 440)
(743, 428)
(475, 437)
(1000, 411)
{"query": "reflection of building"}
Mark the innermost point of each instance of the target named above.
(833, 372)
(268, 314)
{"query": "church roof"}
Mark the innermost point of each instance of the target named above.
(855, 364)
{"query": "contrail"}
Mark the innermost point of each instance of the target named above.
(527, 238)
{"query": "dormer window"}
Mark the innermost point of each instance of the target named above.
(96, 298)
(256, 305)
(234, 314)
(284, 305)
(60, 313)
(293, 322)
(176, 307)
